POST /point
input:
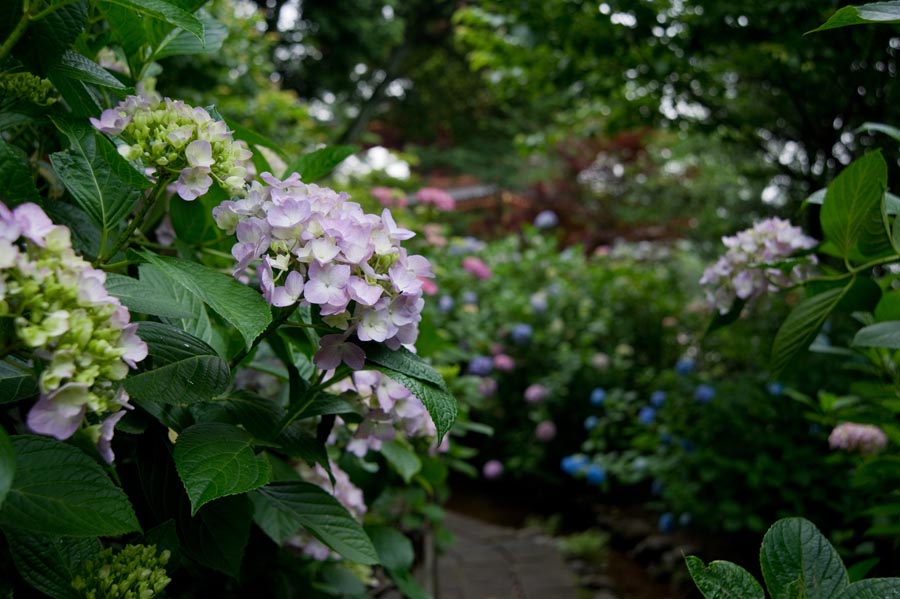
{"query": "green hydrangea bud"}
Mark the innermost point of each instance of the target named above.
(135, 572)
(28, 87)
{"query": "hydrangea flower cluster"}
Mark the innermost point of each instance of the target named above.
(439, 198)
(171, 137)
(863, 438)
(391, 409)
(317, 248)
(64, 315)
(135, 572)
(348, 494)
(739, 273)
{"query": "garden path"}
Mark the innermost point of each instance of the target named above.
(495, 562)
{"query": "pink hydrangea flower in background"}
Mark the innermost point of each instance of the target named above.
(487, 387)
(477, 267)
(438, 198)
(504, 362)
(434, 235)
(389, 197)
(545, 431)
(862, 438)
(737, 274)
(492, 469)
(600, 361)
(429, 287)
(536, 393)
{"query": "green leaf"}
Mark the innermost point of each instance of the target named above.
(802, 326)
(250, 136)
(50, 563)
(853, 210)
(90, 180)
(193, 221)
(395, 550)
(402, 458)
(7, 465)
(873, 588)
(403, 361)
(181, 43)
(281, 509)
(315, 165)
(723, 580)
(875, 12)
(142, 297)
(723, 320)
(794, 550)
(240, 305)
(880, 334)
(164, 11)
(123, 169)
(43, 44)
(217, 536)
(83, 100)
(215, 459)
(182, 369)
(439, 403)
(16, 182)
(16, 380)
(75, 66)
(58, 490)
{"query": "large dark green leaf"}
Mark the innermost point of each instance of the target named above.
(16, 380)
(7, 465)
(802, 326)
(880, 334)
(217, 535)
(75, 66)
(795, 554)
(183, 369)
(874, 12)
(437, 400)
(50, 563)
(16, 182)
(402, 458)
(315, 165)
(403, 361)
(215, 459)
(142, 297)
(240, 305)
(58, 490)
(853, 212)
(873, 588)
(88, 177)
(164, 11)
(723, 580)
(181, 43)
(45, 41)
(395, 550)
(282, 509)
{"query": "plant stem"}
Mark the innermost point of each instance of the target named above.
(25, 21)
(147, 204)
(276, 322)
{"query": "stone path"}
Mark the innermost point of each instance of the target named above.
(493, 562)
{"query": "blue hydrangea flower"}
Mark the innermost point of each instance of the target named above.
(521, 333)
(446, 303)
(470, 297)
(775, 389)
(647, 415)
(704, 393)
(684, 366)
(546, 219)
(688, 446)
(667, 522)
(481, 365)
(656, 487)
(639, 464)
(598, 396)
(657, 399)
(665, 439)
(591, 422)
(595, 475)
(573, 464)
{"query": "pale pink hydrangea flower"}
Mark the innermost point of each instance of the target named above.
(741, 272)
(536, 393)
(389, 197)
(545, 431)
(862, 438)
(492, 469)
(438, 198)
(504, 362)
(477, 267)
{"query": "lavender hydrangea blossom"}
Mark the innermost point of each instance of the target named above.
(742, 271)
(862, 438)
(64, 315)
(171, 138)
(317, 248)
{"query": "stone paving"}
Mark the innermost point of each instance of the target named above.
(492, 562)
